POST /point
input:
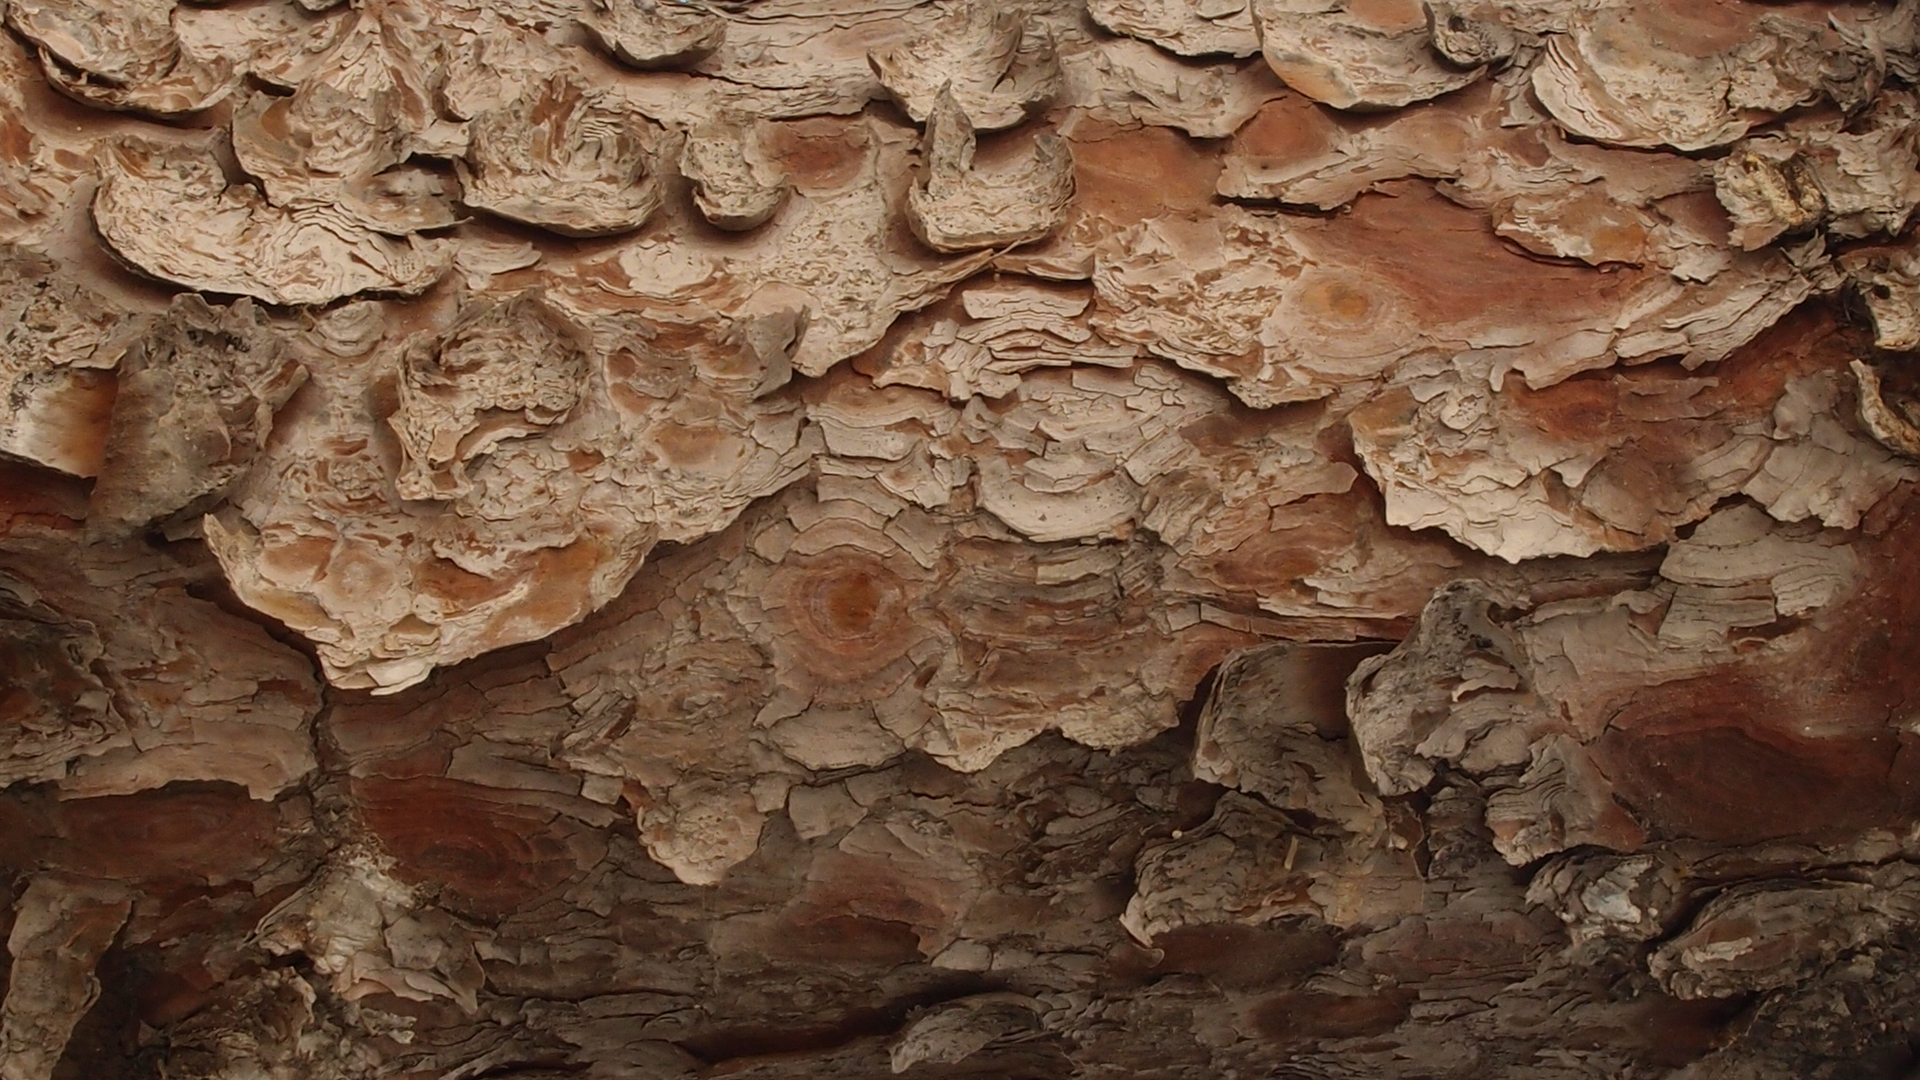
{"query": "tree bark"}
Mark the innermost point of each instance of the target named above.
(639, 539)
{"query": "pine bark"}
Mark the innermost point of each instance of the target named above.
(640, 539)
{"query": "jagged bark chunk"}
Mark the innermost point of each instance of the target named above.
(1352, 56)
(1224, 26)
(521, 473)
(957, 207)
(736, 184)
(1770, 935)
(1891, 422)
(60, 708)
(120, 55)
(650, 34)
(170, 212)
(66, 923)
(997, 66)
(564, 157)
(60, 343)
(195, 404)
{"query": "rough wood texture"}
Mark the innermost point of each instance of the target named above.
(642, 539)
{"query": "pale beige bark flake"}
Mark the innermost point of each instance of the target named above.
(650, 34)
(998, 65)
(169, 212)
(565, 157)
(956, 206)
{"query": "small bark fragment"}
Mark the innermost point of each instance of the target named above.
(63, 925)
(1767, 198)
(701, 829)
(565, 157)
(1891, 422)
(956, 1030)
(1140, 84)
(1351, 56)
(196, 402)
(1605, 898)
(736, 185)
(957, 207)
(1854, 179)
(370, 934)
(61, 709)
(1467, 41)
(325, 146)
(502, 372)
(1249, 864)
(1562, 801)
(654, 34)
(170, 212)
(1887, 280)
(1605, 79)
(60, 343)
(120, 55)
(1275, 726)
(1403, 704)
(1769, 935)
(1188, 29)
(495, 499)
(997, 65)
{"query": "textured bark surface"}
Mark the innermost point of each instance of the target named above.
(641, 539)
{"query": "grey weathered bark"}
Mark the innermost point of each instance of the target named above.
(996, 538)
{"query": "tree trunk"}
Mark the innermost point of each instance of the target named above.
(637, 539)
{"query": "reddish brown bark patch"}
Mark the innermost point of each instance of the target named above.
(1302, 1017)
(181, 832)
(487, 854)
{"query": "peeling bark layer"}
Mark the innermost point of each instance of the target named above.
(641, 539)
